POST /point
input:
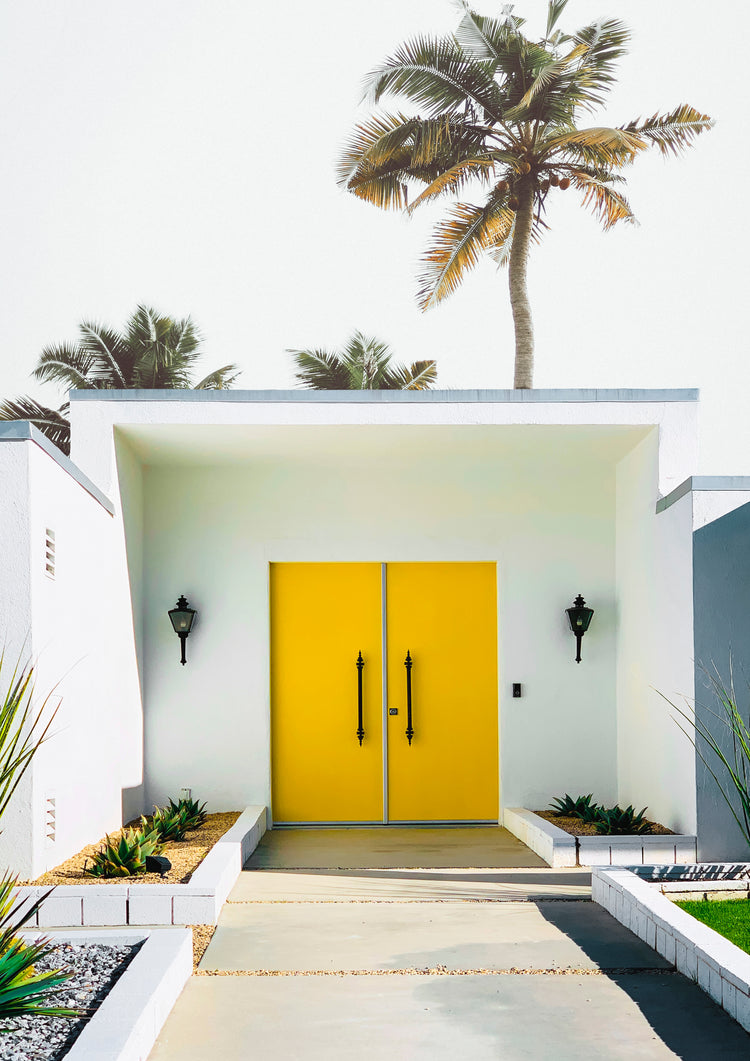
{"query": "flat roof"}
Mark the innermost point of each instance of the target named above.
(386, 397)
(23, 431)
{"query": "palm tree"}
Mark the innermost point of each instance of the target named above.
(364, 363)
(502, 112)
(153, 352)
(53, 423)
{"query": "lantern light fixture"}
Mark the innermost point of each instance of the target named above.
(579, 617)
(182, 616)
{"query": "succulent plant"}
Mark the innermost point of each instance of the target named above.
(581, 807)
(195, 813)
(169, 823)
(125, 857)
(616, 821)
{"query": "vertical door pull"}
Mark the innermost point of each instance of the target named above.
(409, 728)
(360, 730)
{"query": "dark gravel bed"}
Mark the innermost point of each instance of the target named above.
(95, 969)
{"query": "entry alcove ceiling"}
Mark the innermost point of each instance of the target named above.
(566, 447)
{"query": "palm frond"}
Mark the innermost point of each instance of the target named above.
(53, 423)
(555, 8)
(604, 43)
(483, 37)
(221, 379)
(438, 75)
(419, 376)
(70, 366)
(111, 359)
(455, 178)
(608, 205)
(672, 132)
(610, 145)
(459, 243)
(320, 370)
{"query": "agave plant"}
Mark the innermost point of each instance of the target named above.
(618, 822)
(195, 813)
(169, 823)
(125, 857)
(22, 989)
(582, 807)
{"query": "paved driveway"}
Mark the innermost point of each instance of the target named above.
(378, 963)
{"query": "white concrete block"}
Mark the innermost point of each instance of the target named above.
(704, 974)
(715, 985)
(669, 952)
(742, 1002)
(661, 851)
(625, 854)
(144, 909)
(106, 906)
(61, 910)
(691, 962)
(650, 936)
(196, 910)
(685, 849)
(729, 998)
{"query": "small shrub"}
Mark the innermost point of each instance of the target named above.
(582, 807)
(126, 857)
(195, 813)
(618, 822)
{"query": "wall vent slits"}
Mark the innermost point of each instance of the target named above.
(51, 818)
(49, 553)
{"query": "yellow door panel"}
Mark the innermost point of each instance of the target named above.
(322, 616)
(445, 616)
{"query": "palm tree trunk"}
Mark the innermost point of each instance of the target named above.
(519, 297)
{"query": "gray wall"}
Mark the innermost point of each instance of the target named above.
(721, 593)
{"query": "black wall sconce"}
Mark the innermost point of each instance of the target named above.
(579, 617)
(182, 616)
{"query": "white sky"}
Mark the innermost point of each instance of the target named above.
(181, 153)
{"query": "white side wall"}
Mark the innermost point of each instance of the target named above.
(84, 646)
(130, 512)
(654, 588)
(16, 840)
(211, 534)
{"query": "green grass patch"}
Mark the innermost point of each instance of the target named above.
(729, 917)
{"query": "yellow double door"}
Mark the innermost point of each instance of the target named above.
(435, 763)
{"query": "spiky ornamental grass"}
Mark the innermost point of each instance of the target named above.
(500, 114)
(23, 991)
(729, 768)
(24, 726)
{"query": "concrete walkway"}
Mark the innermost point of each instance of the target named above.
(480, 961)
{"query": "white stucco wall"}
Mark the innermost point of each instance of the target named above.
(211, 533)
(82, 640)
(16, 840)
(654, 589)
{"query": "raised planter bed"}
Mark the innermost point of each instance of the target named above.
(128, 1021)
(196, 903)
(637, 897)
(560, 849)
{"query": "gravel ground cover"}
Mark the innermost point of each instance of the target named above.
(95, 968)
(185, 855)
(576, 827)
